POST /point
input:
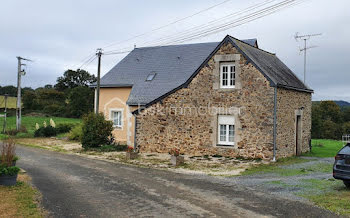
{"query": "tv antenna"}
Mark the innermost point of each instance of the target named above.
(305, 38)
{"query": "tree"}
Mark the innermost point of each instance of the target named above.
(346, 128)
(316, 128)
(80, 101)
(72, 79)
(346, 114)
(28, 100)
(329, 130)
(9, 90)
(329, 110)
(48, 86)
(51, 101)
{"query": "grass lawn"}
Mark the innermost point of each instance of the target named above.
(330, 194)
(275, 167)
(20, 200)
(29, 122)
(324, 148)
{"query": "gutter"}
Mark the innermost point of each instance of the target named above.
(274, 123)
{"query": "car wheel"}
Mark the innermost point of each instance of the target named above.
(347, 183)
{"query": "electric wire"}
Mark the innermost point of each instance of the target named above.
(169, 24)
(208, 28)
(196, 28)
(88, 62)
(188, 35)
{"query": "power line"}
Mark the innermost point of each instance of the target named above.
(208, 29)
(169, 24)
(87, 62)
(190, 35)
(209, 24)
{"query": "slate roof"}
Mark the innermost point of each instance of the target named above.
(175, 65)
(270, 65)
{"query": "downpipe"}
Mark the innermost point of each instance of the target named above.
(274, 124)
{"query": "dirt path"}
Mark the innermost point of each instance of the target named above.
(74, 186)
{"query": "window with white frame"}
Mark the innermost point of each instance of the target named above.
(226, 130)
(116, 117)
(227, 75)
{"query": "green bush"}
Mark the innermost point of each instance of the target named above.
(8, 171)
(47, 131)
(64, 127)
(96, 131)
(76, 133)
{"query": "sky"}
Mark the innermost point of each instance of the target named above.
(59, 35)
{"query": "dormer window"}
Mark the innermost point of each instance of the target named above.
(227, 75)
(151, 76)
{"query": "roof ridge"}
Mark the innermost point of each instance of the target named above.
(252, 46)
(160, 46)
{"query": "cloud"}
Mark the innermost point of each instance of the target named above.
(59, 34)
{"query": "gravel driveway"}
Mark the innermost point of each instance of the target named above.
(74, 186)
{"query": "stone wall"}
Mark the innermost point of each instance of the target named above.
(290, 104)
(181, 120)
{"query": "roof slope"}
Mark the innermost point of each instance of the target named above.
(271, 66)
(172, 64)
(176, 65)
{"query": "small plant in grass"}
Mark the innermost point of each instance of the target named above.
(96, 131)
(131, 153)
(176, 158)
(174, 152)
(12, 132)
(52, 123)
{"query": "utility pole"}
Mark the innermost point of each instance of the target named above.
(20, 73)
(97, 102)
(305, 38)
(5, 114)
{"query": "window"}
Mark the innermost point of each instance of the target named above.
(116, 117)
(151, 76)
(226, 130)
(227, 75)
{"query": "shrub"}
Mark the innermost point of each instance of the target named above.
(47, 131)
(75, 133)
(64, 127)
(12, 132)
(9, 171)
(96, 131)
(8, 154)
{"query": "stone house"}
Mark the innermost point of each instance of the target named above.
(229, 98)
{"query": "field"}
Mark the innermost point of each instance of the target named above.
(11, 102)
(29, 122)
(324, 148)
